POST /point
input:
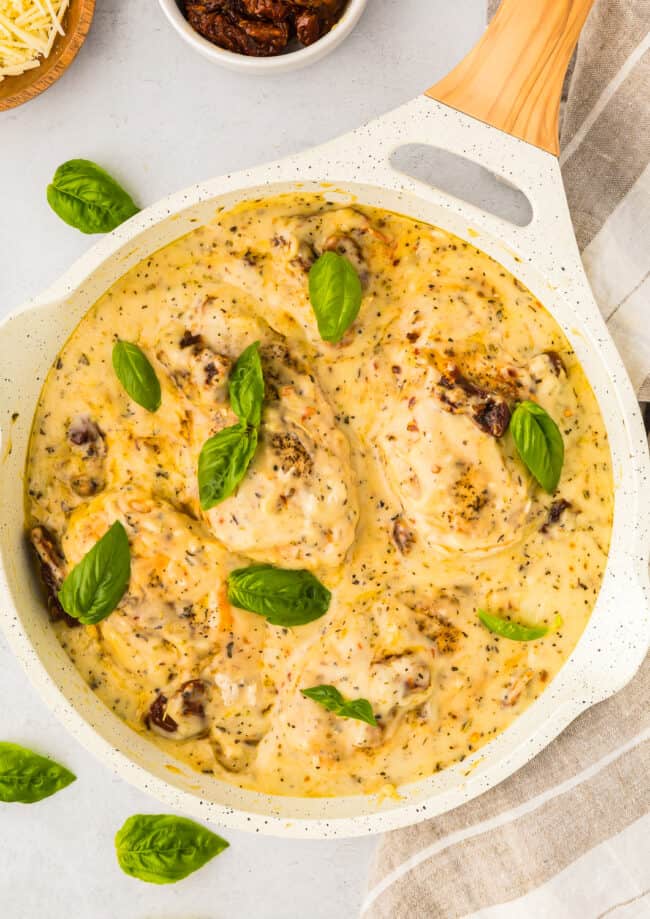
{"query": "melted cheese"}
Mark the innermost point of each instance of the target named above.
(377, 471)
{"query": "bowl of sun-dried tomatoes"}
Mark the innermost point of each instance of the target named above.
(262, 36)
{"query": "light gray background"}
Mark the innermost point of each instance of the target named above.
(140, 102)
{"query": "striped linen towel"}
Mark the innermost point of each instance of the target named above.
(568, 836)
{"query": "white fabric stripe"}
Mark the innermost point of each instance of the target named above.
(613, 874)
(604, 98)
(618, 257)
(630, 330)
(617, 262)
(494, 823)
(638, 908)
(629, 296)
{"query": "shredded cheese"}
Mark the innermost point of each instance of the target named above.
(28, 29)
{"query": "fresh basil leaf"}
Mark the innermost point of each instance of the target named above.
(136, 375)
(246, 386)
(285, 597)
(95, 586)
(506, 628)
(335, 294)
(163, 849)
(27, 777)
(223, 462)
(88, 198)
(539, 443)
(331, 699)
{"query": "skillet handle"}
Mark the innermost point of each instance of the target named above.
(512, 78)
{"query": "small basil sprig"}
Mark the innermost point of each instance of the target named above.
(136, 375)
(539, 443)
(506, 628)
(223, 462)
(246, 386)
(88, 198)
(335, 294)
(331, 699)
(285, 597)
(95, 586)
(27, 777)
(163, 849)
(225, 457)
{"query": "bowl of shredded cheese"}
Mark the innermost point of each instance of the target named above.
(38, 41)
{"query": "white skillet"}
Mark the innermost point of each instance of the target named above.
(510, 86)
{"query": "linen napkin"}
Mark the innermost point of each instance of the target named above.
(569, 834)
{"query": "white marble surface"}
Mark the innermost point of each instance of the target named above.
(141, 103)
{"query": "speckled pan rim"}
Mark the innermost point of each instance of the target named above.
(280, 63)
(546, 257)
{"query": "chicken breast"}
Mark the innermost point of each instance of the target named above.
(297, 505)
(174, 610)
(441, 435)
(375, 652)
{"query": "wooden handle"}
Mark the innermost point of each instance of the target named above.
(512, 78)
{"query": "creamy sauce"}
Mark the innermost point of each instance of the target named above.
(377, 471)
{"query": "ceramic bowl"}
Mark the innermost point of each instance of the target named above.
(279, 63)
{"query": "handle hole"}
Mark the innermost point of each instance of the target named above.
(464, 179)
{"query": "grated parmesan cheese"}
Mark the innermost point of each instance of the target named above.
(28, 29)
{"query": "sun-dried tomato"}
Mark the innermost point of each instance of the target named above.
(262, 28)
(308, 27)
(158, 716)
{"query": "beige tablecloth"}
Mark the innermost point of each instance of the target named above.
(568, 836)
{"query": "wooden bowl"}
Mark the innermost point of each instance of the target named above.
(76, 22)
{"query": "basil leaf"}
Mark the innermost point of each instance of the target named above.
(163, 849)
(223, 462)
(27, 777)
(335, 294)
(539, 443)
(95, 586)
(87, 198)
(136, 375)
(224, 458)
(331, 699)
(285, 597)
(512, 630)
(246, 386)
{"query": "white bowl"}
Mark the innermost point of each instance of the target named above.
(279, 63)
